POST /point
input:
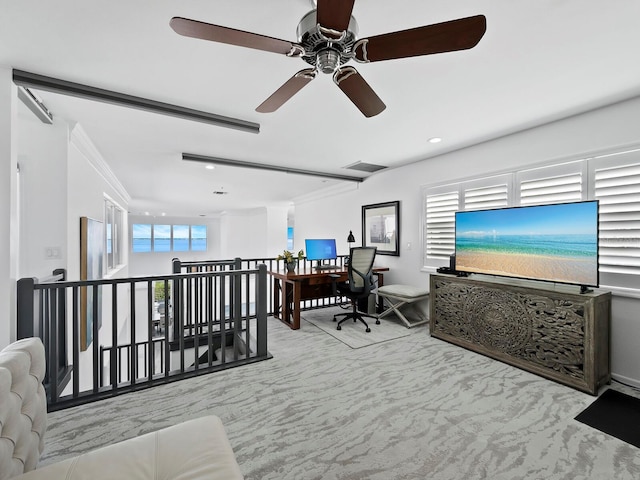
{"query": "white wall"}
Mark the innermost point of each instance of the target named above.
(8, 207)
(607, 129)
(255, 233)
(43, 194)
(276, 230)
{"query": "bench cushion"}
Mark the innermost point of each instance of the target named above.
(407, 291)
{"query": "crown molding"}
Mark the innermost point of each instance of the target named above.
(83, 143)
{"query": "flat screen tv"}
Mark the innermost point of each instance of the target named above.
(320, 249)
(553, 243)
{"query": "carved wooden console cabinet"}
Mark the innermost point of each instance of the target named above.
(560, 335)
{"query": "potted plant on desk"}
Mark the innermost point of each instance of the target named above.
(290, 259)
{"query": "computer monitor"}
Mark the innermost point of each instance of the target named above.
(320, 249)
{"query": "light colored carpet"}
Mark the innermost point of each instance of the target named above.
(353, 333)
(413, 408)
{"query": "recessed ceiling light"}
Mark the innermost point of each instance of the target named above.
(210, 167)
(435, 140)
(146, 213)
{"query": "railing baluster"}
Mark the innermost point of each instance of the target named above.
(151, 357)
(133, 365)
(261, 312)
(247, 322)
(209, 317)
(223, 322)
(75, 328)
(52, 341)
(167, 318)
(197, 281)
(184, 285)
(115, 359)
(95, 327)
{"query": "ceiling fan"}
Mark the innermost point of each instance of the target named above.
(327, 40)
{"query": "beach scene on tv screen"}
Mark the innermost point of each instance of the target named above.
(557, 243)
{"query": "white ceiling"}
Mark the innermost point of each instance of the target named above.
(539, 61)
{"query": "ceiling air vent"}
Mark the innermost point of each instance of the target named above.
(365, 167)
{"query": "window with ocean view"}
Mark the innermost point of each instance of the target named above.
(198, 238)
(141, 238)
(181, 238)
(162, 238)
(168, 238)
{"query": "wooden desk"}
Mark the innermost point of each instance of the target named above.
(290, 288)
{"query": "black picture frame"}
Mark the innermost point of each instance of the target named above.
(381, 227)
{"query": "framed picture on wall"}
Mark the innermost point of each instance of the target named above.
(91, 261)
(381, 227)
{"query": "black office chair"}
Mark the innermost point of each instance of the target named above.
(359, 285)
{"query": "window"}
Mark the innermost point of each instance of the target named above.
(441, 204)
(181, 238)
(141, 238)
(440, 227)
(613, 179)
(168, 238)
(551, 184)
(114, 240)
(290, 238)
(617, 187)
(162, 238)
(198, 238)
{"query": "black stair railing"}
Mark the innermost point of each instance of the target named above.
(179, 266)
(145, 330)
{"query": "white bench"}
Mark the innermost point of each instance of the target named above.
(396, 297)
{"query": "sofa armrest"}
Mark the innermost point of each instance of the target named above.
(23, 406)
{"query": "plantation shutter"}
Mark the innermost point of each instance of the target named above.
(494, 196)
(440, 224)
(441, 204)
(618, 190)
(557, 184)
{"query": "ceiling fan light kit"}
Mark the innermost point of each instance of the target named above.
(327, 39)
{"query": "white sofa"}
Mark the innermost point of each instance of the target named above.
(196, 449)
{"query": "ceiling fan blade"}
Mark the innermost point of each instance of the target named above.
(358, 90)
(335, 14)
(451, 36)
(216, 33)
(286, 91)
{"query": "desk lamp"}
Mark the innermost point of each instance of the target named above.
(350, 239)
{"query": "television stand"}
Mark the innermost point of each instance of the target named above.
(559, 334)
(584, 289)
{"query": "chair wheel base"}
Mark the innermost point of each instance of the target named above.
(377, 322)
(338, 327)
(368, 330)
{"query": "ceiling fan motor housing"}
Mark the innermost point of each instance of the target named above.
(321, 51)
